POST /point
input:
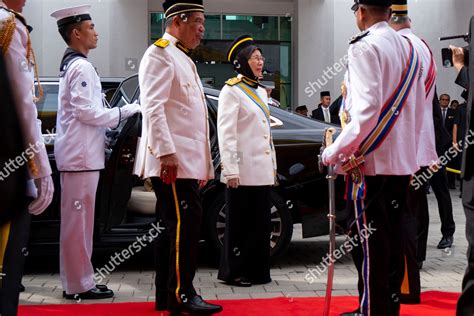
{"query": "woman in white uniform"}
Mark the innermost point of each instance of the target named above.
(248, 168)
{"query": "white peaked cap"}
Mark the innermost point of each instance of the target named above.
(72, 15)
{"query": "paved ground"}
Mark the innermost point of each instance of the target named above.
(133, 281)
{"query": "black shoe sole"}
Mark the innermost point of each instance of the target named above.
(87, 297)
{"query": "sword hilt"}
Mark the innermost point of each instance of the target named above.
(328, 139)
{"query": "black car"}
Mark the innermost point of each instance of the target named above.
(125, 204)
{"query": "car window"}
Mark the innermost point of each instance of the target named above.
(213, 100)
(125, 92)
(47, 107)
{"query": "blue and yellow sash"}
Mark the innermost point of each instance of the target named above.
(253, 95)
(356, 188)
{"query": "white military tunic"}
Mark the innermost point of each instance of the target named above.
(373, 75)
(82, 119)
(175, 115)
(427, 147)
(21, 76)
(245, 142)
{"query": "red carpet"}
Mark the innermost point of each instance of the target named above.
(433, 304)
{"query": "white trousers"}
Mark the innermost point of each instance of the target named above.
(78, 192)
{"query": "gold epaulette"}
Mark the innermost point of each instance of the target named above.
(7, 29)
(233, 81)
(162, 43)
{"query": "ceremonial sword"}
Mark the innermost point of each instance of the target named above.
(328, 140)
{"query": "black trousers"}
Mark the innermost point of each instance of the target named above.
(176, 265)
(16, 235)
(465, 304)
(415, 223)
(384, 204)
(439, 183)
(246, 251)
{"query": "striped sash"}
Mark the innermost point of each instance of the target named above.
(356, 189)
(253, 95)
(431, 78)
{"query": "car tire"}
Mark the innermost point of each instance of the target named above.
(281, 221)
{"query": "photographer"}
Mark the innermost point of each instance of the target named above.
(465, 304)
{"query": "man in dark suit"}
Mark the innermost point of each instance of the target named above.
(447, 112)
(465, 304)
(323, 111)
(447, 115)
(439, 184)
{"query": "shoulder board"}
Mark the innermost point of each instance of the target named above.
(7, 29)
(19, 16)
(233, 81)
(358, 37)
(162, 43)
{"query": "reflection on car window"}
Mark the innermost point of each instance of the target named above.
(48, 107)
(129, 87)
(275, 123)
(125, 92)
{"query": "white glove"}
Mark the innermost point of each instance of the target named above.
(45, 187)
(129, 110)
(328, 157)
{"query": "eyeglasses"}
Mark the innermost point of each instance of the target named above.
(355, 6)
(258, 58)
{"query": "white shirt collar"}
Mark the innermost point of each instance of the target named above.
(170, 38)
(405, 31)
(379, 26)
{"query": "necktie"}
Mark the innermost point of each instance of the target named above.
(444, 115)
(327, 118)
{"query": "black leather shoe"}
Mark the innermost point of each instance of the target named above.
(195, 305)
(420, 265)
(446, 242)
(241, 282)
(22, 288)
(97, 293)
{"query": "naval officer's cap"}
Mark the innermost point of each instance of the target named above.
(376, 3)
(400, 7)
(72, 15)
(175, 7)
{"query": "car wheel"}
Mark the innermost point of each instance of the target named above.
(281, 225)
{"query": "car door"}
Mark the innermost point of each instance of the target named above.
(116, 180)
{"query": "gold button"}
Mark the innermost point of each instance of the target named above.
(264, 121)
(268, 152)
(265, 136)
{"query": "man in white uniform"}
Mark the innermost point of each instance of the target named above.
(15, 46)
(417, 203)
(174, 152)
(384, 84)
(80, 150)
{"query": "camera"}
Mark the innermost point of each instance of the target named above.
(447, 53)
(447, 56)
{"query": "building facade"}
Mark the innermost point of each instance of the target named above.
(304, 41)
